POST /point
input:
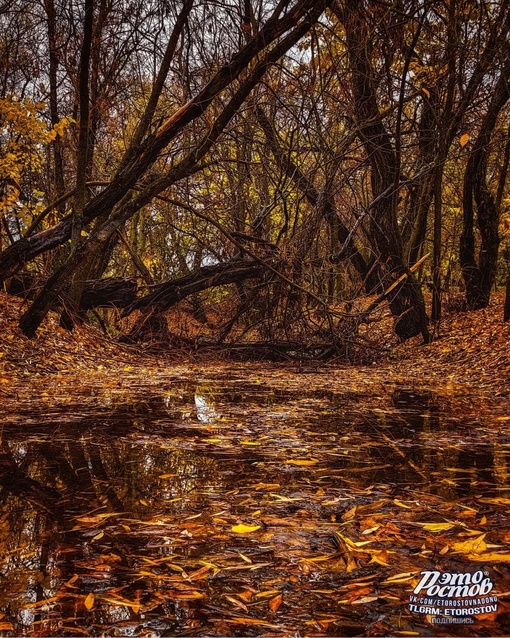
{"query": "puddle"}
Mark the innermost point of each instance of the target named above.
(117, 515)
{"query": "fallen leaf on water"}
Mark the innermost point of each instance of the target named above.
(404, 577)
(266, 486)
(275, 603)
(472, 546)
(436, 527)
(499, 500)
(400, 504)
(364, 600)
(183, 595)
(490, 557)
(236, 603)
(267, 594)
(245, 529)
(284, 499)
(302, 461)
(89, 601)
(250, 621)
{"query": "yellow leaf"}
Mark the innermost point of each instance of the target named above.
(245, 529)
(475, 545)
(185, 595)
(302, 461)
(267, 593)
(490, 557)
(370, 530)
(98, 536)
(284, 499)
(89, 601)
(403, 577)
(498, 500)
(266, 486)
(400, 504)
(426, 91)
(379, 561)
(464, 139)
(436, 527)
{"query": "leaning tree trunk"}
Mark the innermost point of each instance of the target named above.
(479, 274)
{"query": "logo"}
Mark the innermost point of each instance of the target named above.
(453, 597)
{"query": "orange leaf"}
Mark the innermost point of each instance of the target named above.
(275, 603)
(89, 601)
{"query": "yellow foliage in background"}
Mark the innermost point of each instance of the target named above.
(23, 137)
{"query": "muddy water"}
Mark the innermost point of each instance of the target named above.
(233, 507)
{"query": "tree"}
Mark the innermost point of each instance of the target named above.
(115, 203)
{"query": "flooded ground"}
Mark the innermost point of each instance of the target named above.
(246, 504)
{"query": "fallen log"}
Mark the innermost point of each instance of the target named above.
(164, 296)
(115, 292)
(111, 292)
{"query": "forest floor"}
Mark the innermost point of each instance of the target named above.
(472, 350)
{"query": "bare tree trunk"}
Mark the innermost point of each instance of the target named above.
(406, 303)
(479, 274)
(56, 145)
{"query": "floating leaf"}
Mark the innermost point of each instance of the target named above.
(245, 529)
(236, 603)
(498, 500)
(436, 527)
(403, 577)
(400, 504)
(472, 546)
(184, 595)
(71, 581)
(302, 462)
(490, 557)
(89, 601)
(275, 603)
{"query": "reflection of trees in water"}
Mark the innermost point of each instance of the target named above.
(403, 447)
(46, 484)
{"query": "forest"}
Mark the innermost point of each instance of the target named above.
(282, 169)
(254, 317)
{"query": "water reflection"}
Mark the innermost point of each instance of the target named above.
(119, 502)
